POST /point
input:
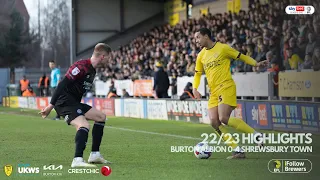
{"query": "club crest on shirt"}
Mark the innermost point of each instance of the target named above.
(75, 71)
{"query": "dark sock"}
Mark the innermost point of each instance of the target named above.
(81, 141)
(97, 133)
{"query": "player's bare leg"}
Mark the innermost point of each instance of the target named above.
(225, 111)
(82, 126)
(97, 133)
(221, 130)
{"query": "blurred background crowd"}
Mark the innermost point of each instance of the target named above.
(265, 32)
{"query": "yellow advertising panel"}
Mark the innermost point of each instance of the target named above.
(204, 11)
(237, 6)
(230, 6)
(7, 102)
(299, 84)
(4, 101)
(174, 6)
(174, 19)
(14, 102)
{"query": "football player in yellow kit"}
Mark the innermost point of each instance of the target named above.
(214, 59)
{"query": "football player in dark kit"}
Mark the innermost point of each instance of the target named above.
(66, 101)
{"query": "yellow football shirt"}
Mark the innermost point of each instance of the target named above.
(215, 62)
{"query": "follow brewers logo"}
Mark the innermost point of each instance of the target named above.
(289, 166)
(8, 170)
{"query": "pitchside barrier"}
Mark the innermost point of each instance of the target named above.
(269, 115)
(248, 85)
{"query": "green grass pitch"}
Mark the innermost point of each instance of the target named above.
(138, 148)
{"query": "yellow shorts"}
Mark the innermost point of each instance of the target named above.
(223, 95)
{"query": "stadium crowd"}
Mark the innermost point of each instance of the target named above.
(290, 42)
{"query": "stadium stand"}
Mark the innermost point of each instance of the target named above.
(261, 30)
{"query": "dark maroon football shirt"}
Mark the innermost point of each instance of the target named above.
(80, 77)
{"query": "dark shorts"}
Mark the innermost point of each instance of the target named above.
(71, 112)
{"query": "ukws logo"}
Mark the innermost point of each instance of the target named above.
(300, 9)
(27, 169)
(8, 170)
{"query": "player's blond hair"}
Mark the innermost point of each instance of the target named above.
(101, 47)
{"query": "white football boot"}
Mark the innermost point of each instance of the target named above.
(96, 157)
(79, 162)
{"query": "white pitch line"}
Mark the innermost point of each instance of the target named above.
(154, 133)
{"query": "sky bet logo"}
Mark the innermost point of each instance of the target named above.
(27, 169)
(300, 9)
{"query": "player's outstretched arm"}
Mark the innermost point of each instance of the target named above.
(236, 55)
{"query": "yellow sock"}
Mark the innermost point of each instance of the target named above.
(240, 125)
(227, 138)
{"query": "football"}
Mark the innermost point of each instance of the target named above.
(202, 150)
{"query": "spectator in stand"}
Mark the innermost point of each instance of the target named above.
(190, 66)
(295, 49)
(307, 63)
(174, 45)
(28, 92)
(275, 49)
(302, 44)
(174, 83)
(262, 55)
(293, 60)
(161, 82)
(43, 85)
(316, 59)
(125, 94)
(250, 52)
(270, 58)
(187, 92)
(275, 70)
(111, 87)
(311, 43)
(24, 84)
(112, 93)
